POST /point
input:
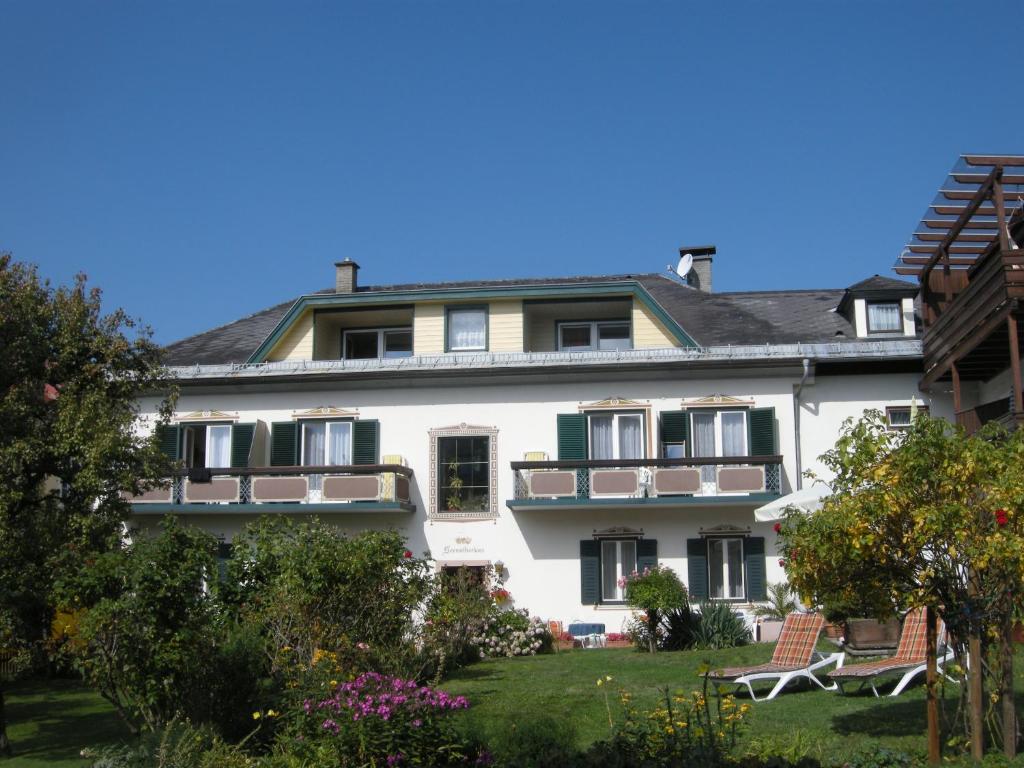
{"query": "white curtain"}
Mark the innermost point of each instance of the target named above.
(735, 552)
(467, 329)
(609, 570)
(631, 437)
(219, 453)
(704, 442)
(313, 454)
(884, 317)
(601, 437)
(734, 434)
(339, 442)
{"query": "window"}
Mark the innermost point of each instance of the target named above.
(583, 337)
(900, 416)
(463, 473)
(618, 560)
(616, 435)
(467, 329)
(725, 568)
(718, 433)
(326, 443)
(376, 343)
(206, 445)
(885, 317)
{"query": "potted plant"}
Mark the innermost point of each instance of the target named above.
(862, 634)
(771, 615)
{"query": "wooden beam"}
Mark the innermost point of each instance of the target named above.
(1015, 373)
(978, 178)
(924, 248)
(959, 210)
(962, 262)
(966, 237)
(948, 223)
(1000, 160)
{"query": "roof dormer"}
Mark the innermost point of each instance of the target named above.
(880, 307)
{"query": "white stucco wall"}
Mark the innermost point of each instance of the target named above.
(540, 549)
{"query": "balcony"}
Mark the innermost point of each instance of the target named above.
(311, 490)
(736, 480)
(1000, 411)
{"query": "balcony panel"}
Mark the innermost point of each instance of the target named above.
(645, 482)
(350, 488)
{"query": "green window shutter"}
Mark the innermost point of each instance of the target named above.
(675, 428)
(761, 423)
(590, 572)
(168, 439)
(697, 569)
(241, 444)
(284, 444)
(572, 436)
(646, 554)
(365, 441)
(753, 555)
(224, 552)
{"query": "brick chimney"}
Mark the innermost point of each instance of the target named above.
(699, 276)
(345, 276)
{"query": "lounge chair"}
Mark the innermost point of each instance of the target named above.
(794, 658)
(910, 658)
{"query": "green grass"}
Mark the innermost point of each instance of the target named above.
(50, 721)
(563, 686)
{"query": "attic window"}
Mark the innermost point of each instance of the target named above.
(885, 317)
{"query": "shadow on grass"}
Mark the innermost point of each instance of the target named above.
(474, 673)
(53, 720)
(885, 718)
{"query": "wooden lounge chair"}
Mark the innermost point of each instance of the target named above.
(909, 659)
(794, 658)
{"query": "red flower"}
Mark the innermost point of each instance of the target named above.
(1002, 518)
(407, 554)
(782, 563)
(777, 527)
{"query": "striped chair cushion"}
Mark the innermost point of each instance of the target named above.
(797, 640)
(913, 645)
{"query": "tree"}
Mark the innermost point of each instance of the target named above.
(655, 592)
(926, 518)
(70, 378)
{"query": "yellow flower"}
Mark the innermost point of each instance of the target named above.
(334, 683)
(608, 678)
(272, 713)
(600, 681)
(255, 715)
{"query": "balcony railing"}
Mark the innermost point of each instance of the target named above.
(1001, 411)
(644, 479)
(336, 485)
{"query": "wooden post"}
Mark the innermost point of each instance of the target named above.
(956, 387)
(1011, 327)
(931, 682)
(975, 675)
(1009, 711)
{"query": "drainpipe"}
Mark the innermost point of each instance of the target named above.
(796, 423)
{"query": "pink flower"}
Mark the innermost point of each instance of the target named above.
(407, 554)
(782, 563)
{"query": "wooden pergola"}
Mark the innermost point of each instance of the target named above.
(967, 253)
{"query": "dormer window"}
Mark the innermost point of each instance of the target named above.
(376, 343)
(467, 329)
(885, 317)
(586, 337)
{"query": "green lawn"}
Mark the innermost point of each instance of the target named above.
(563, 686)
(50, 721)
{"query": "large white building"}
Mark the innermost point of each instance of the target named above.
(569, 430)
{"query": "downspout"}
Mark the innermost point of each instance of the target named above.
(796, 423)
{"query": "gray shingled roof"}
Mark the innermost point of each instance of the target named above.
(881, 283)
(711, 319)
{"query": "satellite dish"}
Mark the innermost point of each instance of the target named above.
(685, 264)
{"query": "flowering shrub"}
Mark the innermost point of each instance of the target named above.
(381, 720)
(682, 730)
(654, 592)
(513, 633)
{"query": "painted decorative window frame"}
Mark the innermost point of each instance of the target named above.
(464, 430)
(622, 405)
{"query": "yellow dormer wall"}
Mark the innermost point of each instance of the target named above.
(648, 331)
(297, 343)
(505, 326)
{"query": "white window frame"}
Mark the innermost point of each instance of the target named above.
(898, 330)
(595, 339)
(484, 313)
(909, 409)
(719, 442)
(189, 429)
(615, 430)
(727, 540)
(381, 334)
(327, 440)
(620, 592)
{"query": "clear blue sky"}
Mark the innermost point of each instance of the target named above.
(200, 161)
